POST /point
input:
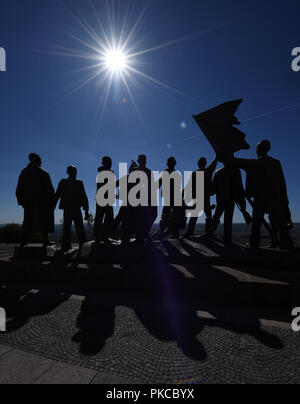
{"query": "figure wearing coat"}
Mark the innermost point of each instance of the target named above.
(35, 193)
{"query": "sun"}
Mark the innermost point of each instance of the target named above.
(114, 53)
(116, 60)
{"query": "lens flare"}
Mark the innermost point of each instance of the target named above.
(113, 50)
(116, 61)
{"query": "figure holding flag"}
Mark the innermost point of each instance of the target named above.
(217, 124)
(228, 187)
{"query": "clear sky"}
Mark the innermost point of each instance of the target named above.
(232, 49)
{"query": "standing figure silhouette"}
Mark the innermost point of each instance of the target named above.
(266, 184)
(126, 218)
(146, 215)
(208, 175)
(104, 219)
(35, 193)
(228, 187)
(72, 196)
(169, 222)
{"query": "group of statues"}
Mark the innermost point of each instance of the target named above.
(265, 190)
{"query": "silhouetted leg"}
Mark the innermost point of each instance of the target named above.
(228, 218)
(67, 229)
(98, 225)
(274, 228)
(26, 226)
(174, 226)
(46, 241)
(24, 237)
(216, 219)
(165, 219)
(141, 223)
(78, 220)
(280, 223)
(152, 217)
(119, 219)
(208, 213)
(258, 215)
(108, 222)
(125, 225)
(191, 226)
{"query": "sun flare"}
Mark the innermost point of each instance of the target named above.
(114, 52)
(116, 61)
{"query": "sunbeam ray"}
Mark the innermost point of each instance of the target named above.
(116, 52)
(271, 113)
(86, 27)
(176, 41)
(82, 42)
(134, 103)
(160, 83)
(107, 92)
(81, 69)
(82, 83)
(134, 28)
(107, 45)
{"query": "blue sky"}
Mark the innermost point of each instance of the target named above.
(235, 50)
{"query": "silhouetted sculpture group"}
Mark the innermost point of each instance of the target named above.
(265, 184)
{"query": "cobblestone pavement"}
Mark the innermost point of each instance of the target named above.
(156, 343)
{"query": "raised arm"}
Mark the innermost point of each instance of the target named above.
(244, 164)
(212, 167)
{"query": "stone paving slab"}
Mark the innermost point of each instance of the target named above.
(62, 373)
(18, 367)
(4, 349)
(105, 378)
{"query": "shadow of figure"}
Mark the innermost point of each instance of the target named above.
(209, 302)
(22, 306)
(96, 324)
(167, 302)
(163, 315)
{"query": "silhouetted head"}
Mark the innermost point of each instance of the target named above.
(133, 166)
(263, 148)
(142, 160)
(202, 163)
(72, 172)
(107, 162)
(171, 163)
(35, 159)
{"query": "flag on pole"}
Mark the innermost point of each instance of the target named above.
(217, 126)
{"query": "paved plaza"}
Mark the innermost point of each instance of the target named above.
(149, 322)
